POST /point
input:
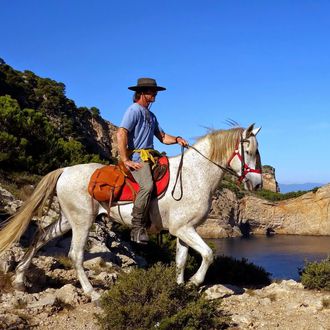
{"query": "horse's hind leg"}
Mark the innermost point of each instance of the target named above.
(80, 233)
(192, 239)
(43, 236)
(180, 259)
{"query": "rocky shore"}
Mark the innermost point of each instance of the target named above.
(285, 305)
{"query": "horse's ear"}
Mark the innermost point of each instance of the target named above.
(256, 130)
(247, 133)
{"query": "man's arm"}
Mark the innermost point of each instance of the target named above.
(122, 138)
(170, 139)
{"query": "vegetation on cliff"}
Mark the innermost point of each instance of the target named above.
(272, 196)
(40, 128)
(275, 196)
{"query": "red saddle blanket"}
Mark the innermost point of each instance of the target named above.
(160, 185)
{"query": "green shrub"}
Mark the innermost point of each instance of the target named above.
(147, 299)
(265, 194)
(316, 275)
(274, 196)
(226, 183)
(229, 270)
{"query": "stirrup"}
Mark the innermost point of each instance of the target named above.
(139, 235)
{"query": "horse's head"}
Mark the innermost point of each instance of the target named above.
(245, 160)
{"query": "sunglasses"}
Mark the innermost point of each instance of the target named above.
(152, 93)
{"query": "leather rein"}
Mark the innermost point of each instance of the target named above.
(245, 169)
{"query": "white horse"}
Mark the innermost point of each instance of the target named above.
(203, 168)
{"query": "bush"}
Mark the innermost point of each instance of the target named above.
(274, 196)
(229, 270)
(316, 275)
(147, 299)
(227, 183)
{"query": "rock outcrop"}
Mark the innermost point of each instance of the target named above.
(308, 214)
(269, 179)
(222, 219)
(284, 305)
(98, 135)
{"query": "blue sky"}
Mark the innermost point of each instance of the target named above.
(266, 62)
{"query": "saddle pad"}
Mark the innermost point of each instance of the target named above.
(160, 186)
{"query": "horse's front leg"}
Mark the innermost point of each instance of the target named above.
(180, 259)
(189, 236)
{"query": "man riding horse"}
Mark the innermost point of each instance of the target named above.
(135, 145)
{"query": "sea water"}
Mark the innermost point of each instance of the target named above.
(280, 255)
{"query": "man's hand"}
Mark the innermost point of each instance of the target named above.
(132, 165)
(181, 141)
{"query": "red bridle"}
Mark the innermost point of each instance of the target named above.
(245, 169)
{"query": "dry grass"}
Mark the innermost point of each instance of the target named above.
(250, 292)
(272, 297)
(20, 184)
(326, 303)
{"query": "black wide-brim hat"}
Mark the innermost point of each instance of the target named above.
(145, 84)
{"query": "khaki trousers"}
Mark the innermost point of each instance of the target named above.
(143, 177)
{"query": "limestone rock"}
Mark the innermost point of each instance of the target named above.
(268, 179)
(7, 261)
(8, 203)
(47, 299)
(13, 321)
(106, 278)
(222, 219)
(104, 135)
(70, 295)
(308, 214)
(219, 291)
(284, 305)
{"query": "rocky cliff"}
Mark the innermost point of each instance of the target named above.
(308, 214)
(269, 179)
(102, 137)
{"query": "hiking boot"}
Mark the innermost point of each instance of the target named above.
(139, 235)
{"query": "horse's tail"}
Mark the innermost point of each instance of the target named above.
(16, 225)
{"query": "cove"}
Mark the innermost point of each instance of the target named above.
(280, 255)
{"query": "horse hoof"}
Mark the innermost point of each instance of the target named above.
(97, 303)
(192, 283)
(95, 298)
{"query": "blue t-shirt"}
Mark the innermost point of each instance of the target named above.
(141, 125)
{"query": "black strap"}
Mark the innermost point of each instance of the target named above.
(226, 169)
(179, 175)
(179, 172)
